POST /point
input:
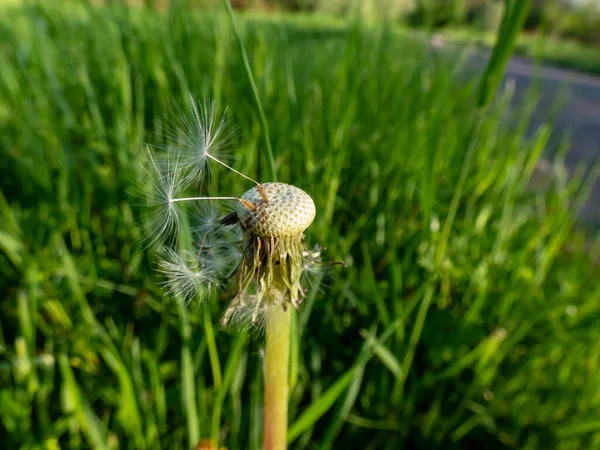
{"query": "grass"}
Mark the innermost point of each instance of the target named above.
(555, 51)
(437, 334)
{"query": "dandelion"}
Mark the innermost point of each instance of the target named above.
(260, 242)
(273, 255)
(270, 253)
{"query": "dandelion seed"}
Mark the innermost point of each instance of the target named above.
(245, 318)
(312, 266)
(216, 244)
(206, 221)
(204, 139)
(200, 138)
(165, 181)
(187, 276)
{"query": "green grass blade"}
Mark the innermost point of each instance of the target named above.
(188, 378)
(231, 369)
(89, 423)
(384, 354)
(335, 426)
(515, 13)
(213, 354)
(321, 406)
(415, 336)
(261, 114)
(329, 397)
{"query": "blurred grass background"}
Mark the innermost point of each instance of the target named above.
(478, 331)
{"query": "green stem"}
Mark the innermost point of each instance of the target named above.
(213, 354)
(188, 378)
(261, 114)
(276, 379)
(513, 19)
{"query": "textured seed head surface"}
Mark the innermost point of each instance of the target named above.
(289, 210)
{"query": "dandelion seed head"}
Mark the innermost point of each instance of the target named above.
(288, 212)
(272, 256)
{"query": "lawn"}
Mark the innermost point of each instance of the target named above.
(461, 320)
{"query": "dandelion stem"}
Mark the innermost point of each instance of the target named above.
(276, 379)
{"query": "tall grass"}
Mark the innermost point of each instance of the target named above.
(492, 340)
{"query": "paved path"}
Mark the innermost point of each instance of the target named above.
(579, 95)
